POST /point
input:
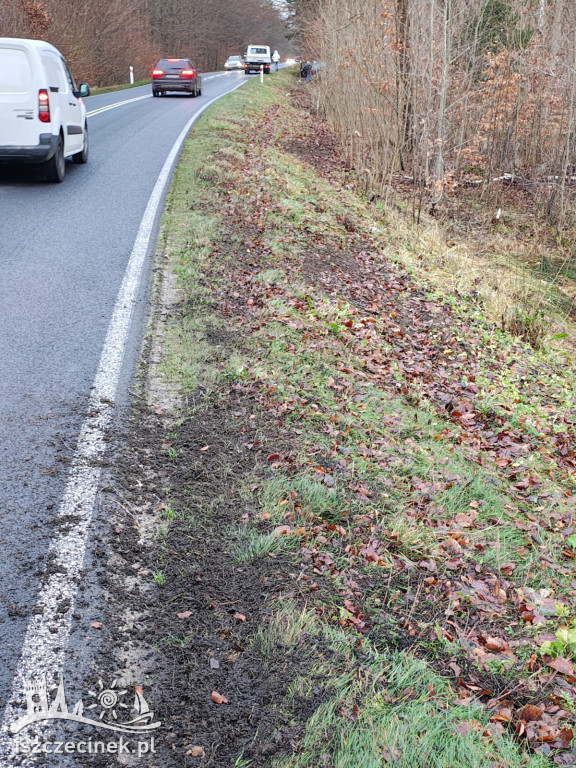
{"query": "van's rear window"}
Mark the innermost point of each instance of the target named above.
(258, 50)
(15, 73)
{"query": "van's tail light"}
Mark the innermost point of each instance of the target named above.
(187, 73)
(157, 73)
(43, 106)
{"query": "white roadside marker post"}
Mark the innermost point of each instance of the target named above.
(262, 73)
(131, 75)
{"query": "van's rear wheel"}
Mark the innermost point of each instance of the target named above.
(55, 168)
(82, 157)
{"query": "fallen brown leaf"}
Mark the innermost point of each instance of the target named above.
(561, 665)
(566, 735)
(565, 758)
(528, 712)
(196, 752)
(218, 698)
(494, 643)
(466, 519)
(455, 668)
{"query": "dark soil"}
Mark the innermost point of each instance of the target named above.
(181, 661)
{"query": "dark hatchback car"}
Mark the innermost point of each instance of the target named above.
(176, 75)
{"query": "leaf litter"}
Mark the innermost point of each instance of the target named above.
(415, 465)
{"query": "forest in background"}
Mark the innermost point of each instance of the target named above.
(450, 93)
(101, 39)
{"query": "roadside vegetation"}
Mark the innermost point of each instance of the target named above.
(383, 477)
(102, 39)
(461, 115)
(122, 87)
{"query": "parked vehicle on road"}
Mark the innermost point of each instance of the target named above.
(257, 56)
(176, 75)
(42, 116)
(234, 62)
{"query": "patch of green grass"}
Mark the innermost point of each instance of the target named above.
(236, 367)
(283, 633)
(393, 708)
(169, 514)
(120, 87)
(474, 486)
(248, 544)
(188, 356)
(271, 276)
(243, 762)
(159, 577)
(171, 640)
(414, 540)
(315, 500)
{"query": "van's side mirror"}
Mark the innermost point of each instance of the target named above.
(83, 91)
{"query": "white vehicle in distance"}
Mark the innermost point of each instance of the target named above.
(42, 115)
(257, 56)
(234, 62)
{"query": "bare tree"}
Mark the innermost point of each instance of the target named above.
(443, 91)
(103, 38)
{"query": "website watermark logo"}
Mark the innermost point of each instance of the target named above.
(107, 708)
(26, 746)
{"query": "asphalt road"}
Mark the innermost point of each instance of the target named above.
(63, 252)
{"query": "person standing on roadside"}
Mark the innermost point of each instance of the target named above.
(276, 59)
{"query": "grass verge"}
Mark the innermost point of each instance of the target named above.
(413, 464)
(119, 87)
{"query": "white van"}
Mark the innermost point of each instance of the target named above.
(42, 116)
(257, 56)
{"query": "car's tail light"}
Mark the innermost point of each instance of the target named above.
(43, 106)
(157, 73)
(187, 73)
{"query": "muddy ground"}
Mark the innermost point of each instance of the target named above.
(190, 638)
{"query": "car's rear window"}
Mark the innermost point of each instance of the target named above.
(163, 63)
(15, 71)
(234, 58)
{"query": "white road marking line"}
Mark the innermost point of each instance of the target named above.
(117, 104)
(46, 638)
